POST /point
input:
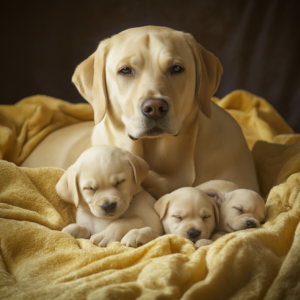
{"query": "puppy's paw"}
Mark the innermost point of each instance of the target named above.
(203, 242)
(138, 237)
(77, 231)
(103, 238)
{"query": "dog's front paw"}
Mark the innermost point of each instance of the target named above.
(103, 238)
(77, 231)
(203, 242)
(138, 237)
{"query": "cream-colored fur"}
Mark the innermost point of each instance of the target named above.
(239, 208)
(185, 138)
(105, 185)
(188, 212)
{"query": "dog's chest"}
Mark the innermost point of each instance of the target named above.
(92, 223)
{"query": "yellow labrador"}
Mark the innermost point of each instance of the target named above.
(188, 212)
(151, 90)
(239, 208)
(105, 185)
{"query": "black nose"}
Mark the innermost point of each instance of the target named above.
(250, 224)
(109, 207)
(194, 233)
(154, 108)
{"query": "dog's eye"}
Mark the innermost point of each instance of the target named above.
(177, 217)
(88, 188)
(176, 69)
(240, 209)
(206, 217)
(126, 71)
(119, 182)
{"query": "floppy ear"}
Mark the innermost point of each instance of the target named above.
(218, 196)
(208, 74)
(216, 211)
(162, 204)
(90, 80)
(67, 188)
(140, 169)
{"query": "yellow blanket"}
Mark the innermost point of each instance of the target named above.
(25, 124)
(38, 261)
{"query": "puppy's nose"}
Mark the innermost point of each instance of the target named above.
(154, 108)
(109, 207)
(250, 224)
(194, 233)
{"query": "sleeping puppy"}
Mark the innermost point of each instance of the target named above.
(105, 185)
(188, 212)
(239, 208)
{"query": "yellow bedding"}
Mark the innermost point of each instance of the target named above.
(38, 261)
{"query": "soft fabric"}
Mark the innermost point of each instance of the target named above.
(38, 261)
(25, 124)
(258, 119)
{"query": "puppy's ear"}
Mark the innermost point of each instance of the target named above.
(90, 80)
(162, 204)
(140, 169)
(67, 188)
(218, 196)
(216, 211)
(208, 74)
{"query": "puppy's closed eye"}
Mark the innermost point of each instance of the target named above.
(179, 218)
(239, 208)
(118, 183)
(206, 217)
(89, 188)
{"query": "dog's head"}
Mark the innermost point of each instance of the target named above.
(104, 180)
(154, 77)
(188, 212)
(240, 209)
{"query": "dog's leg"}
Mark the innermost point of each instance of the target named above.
(156, 185)
(116, 231)
(77, 231)
(138, 237)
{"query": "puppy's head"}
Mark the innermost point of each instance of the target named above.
(240, 209)
(188, 212)
(104, 180)
(154, 78)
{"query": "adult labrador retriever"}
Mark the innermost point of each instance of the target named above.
(151, 90)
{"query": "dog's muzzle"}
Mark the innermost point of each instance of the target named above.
(154, 108)
(155, 123)
(109, 207)
(193, 234)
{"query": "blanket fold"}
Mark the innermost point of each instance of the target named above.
(28, 122)
(38, 261)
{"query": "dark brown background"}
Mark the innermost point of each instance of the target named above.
(257, 41)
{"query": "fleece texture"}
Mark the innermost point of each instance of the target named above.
(38, 261)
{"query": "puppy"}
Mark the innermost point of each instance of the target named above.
(105, 185)
(239, 208)
(188, 212)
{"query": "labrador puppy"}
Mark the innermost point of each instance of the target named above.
(105, 185)
(151, 90)
(188, 212)
(239, 208)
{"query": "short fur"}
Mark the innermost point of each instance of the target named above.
(105, 175)
(188, 212)
(239, 208)
(194, 142)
